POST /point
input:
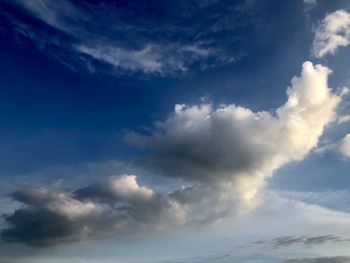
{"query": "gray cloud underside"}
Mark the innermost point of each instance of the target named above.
(114, 206)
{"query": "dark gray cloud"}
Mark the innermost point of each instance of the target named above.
(47, 217)
(338, 259)
(118, 205)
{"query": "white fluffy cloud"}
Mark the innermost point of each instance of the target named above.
(333, 32)
(126, 187)
(235, 146)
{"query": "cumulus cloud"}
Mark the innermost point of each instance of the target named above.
(47, 217)
(117, 188)
(333, 32)
(223, 155)
(235, 146)
(114, 206)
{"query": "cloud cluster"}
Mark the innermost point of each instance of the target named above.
(224, 155)
(333, 32)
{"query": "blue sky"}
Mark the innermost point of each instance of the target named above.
(186, 131)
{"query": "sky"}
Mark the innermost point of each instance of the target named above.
(191, 131)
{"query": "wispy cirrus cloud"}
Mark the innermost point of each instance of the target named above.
(114, 206)
(332, 199)
(301, 241)
(123, 38)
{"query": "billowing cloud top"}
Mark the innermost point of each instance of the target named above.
(203, 144)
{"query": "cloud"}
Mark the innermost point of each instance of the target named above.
(335, 200)
(223, 157)
(341, 147)
(344, 146)
(319, 260)
(117, 188)
(115, 206)
(151, 38)
(63, 16)
(333, 32)
(235, 146)
(152, 58)
(310, 2)
(343, 119)
(47, 217)
(308, 241)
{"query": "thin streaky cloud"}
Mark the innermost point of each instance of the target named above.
(126, 46)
